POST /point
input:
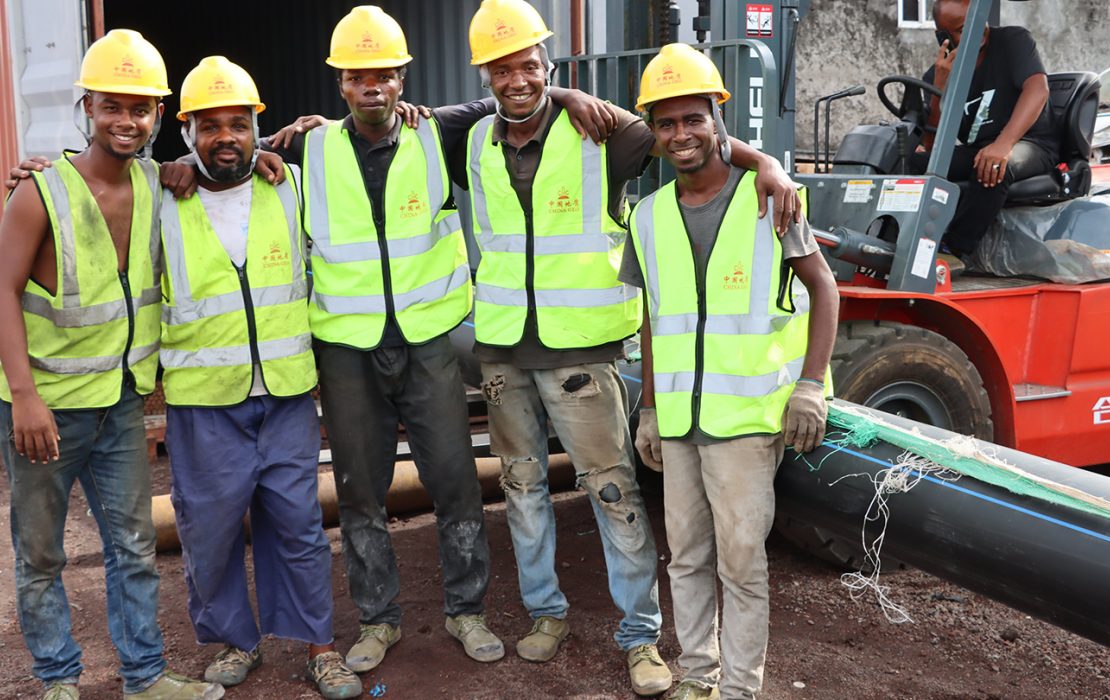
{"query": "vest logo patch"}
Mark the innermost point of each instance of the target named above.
(127, 69)
(737, 280)
(413, 206)
(562, 203)
(275, 258)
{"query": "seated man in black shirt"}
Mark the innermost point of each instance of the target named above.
(1006, 134)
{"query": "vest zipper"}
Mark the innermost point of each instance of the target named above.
(252, 330)
(379, 230)
(126, 284)
(699, 335)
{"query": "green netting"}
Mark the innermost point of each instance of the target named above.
(861, 431)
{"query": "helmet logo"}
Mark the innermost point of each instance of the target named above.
(668, 76)
(414, 206)
(219, 86)
(275, 258)
(563, 203)
(368, 43)
(127, 69)
(502, 31)
(737, 280)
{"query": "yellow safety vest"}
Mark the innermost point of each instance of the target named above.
(562, 258)
(219, 320)
(725, 357)
(417, 266)
(101, 323)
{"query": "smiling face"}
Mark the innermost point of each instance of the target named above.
(372, 93)
(684, 132)
(121, 124)
(225, 142)
(518, 81)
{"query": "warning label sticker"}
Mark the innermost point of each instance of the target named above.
(923, 258)
(858, 191)
(760, 21)
(1102, 411)
(901, 195)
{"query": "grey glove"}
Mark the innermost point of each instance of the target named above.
(648, 443)
(806, 412)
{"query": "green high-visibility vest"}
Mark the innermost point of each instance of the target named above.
(417, 266)
(725, 357)
(101, 323)
(562, 258)
(219, 320)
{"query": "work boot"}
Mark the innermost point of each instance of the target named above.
(689, 690)
(62, 691)
(373, 642)
(647, 671)
(542, 643)
(480, 644)
(171, 686)
(332, 677)
(232, 665)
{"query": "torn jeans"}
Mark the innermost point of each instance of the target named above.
(587, 406)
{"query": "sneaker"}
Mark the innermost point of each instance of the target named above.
(232, 665)
(689, 690)
(647, 671)
(171, 686)
(542, 643)
(480, 644)
(332, 677)
(373, 642)
(62, 691)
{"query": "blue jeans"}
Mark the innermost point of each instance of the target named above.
(586, 404)
(104, 449)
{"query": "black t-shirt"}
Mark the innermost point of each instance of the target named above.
(1009, 60)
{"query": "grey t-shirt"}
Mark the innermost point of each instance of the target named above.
(703, 223)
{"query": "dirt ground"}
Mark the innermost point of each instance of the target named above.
(823, 644)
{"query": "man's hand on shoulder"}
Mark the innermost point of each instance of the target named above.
(592, 118)
(270, 167)
(179, 176)
(772, 180)
(23, 171)
(283, 138)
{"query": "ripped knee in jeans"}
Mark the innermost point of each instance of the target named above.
(491, 390)
(520, 474)
(617, 495)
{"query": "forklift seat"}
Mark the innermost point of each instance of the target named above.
(1073, 107)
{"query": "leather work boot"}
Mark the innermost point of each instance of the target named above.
(542, 643)
(62, 691)
(647, 671)
(689, 690)
(373, 642)
(332, 677)
(172, 686)
(232, 665)
(478, 641)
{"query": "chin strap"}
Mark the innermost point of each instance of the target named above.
(722, 135)
(549, 67)
(189, 135)
(81, 122)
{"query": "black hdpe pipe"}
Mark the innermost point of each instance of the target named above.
(1044, 559)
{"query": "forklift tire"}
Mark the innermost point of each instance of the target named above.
(911, 372)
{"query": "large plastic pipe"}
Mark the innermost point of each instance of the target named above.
(1047, 560)
(406, 494)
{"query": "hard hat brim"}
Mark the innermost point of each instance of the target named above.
(512, 48)
(184, 116)
(124, 89)
(376, 63)
(723, 96)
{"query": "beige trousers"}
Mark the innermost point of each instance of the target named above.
(720, 503)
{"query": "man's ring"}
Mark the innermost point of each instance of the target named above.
(996, 166)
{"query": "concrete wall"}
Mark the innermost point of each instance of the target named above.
(849, 42)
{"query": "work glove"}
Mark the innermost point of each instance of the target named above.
(804, 421)
(648, 443)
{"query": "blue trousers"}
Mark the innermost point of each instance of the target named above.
(258, 456)
(104, 449)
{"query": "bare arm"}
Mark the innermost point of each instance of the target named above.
(824, 307)
(22, 232)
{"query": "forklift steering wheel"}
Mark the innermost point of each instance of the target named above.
(907, 82)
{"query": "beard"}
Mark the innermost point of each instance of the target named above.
(229, 173)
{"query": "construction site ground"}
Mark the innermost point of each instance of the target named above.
(823, 643)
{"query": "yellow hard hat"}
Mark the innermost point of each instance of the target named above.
(678, 70)
(368, 38)
(217, 82)
(122, 61)
(502, 27)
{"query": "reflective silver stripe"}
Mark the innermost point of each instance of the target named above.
(728, 384)
(76, 317)
(175, 249)
(477, 190)
(645, 232)
(763, 257)
(375, 303)
(187, 311)
(150, 172)
(288, 198)
(236, 355)
(550, 245)
(92, 365)
(397, 247)
(429, 144)
(725, 324)
(59, 196)
(318, 187)
(591, 188)
(572, 298)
